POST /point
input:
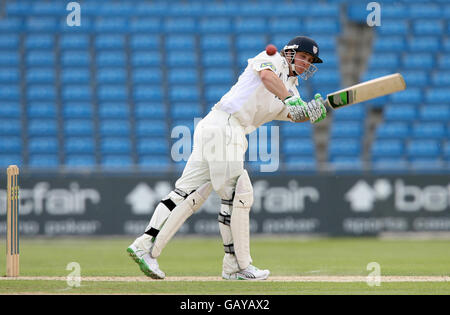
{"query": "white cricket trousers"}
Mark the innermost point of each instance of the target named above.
(218, 156)
(218, 153)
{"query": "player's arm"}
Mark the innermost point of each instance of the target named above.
(274, 84)
(299, 111)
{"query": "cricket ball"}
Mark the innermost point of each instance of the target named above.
(271, 49)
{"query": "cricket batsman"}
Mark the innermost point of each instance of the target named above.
(265, 91)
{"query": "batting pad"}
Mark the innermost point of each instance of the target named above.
(230, 264)
(179, 215)
(240, 220)
(163, 210)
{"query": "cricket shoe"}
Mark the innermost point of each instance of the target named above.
(148, 265)
(249, 273)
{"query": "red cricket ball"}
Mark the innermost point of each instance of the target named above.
(271, 49)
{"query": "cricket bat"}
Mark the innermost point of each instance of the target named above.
(366, 91)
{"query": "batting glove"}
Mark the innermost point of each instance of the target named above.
(316, 109)
(297, 108)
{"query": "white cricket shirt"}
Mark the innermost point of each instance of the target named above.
(250, 102)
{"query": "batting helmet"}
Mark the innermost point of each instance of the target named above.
(304, 44)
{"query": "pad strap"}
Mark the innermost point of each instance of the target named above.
(152, 232)
(227, 202)
(169, 204)
(229, 249)
(224, 219)
(181, 193)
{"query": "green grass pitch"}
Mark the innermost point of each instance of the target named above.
(202, 257)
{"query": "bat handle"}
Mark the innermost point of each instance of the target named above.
(327, 104)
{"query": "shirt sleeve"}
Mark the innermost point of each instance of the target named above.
(263, 62)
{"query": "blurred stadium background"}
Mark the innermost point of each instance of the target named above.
(87, 113)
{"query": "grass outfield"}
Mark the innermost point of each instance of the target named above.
(202, 258)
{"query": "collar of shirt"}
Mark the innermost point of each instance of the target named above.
(293, 80)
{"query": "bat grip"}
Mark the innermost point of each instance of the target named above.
(327, 105)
